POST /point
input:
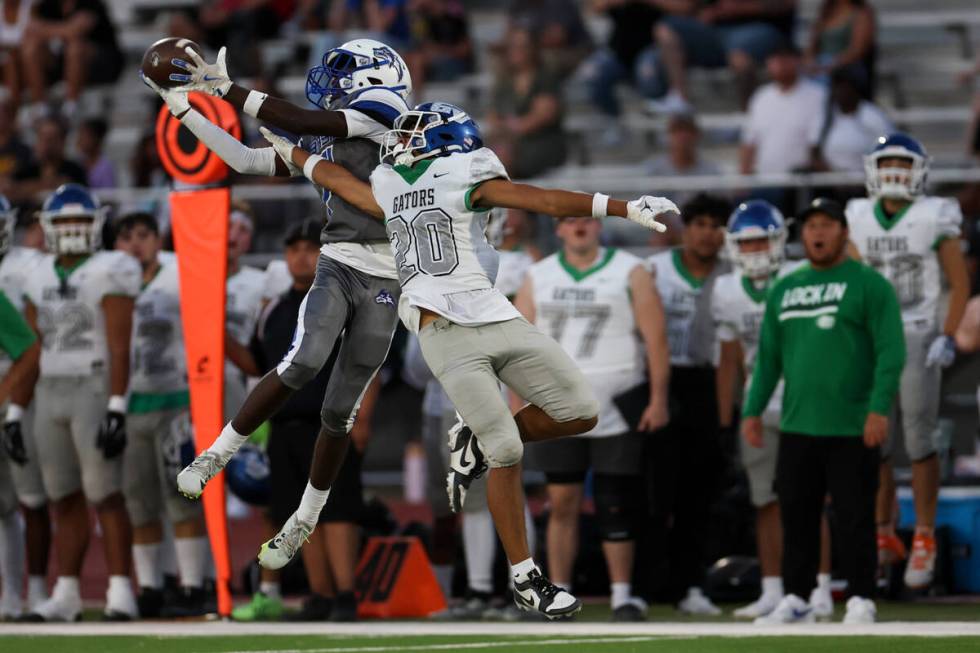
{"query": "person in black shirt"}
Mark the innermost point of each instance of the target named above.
(51, 168)
(328, 558)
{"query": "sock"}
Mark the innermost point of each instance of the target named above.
(522, 568)
(444, 576)
(68, 586)
(11, 554)
(823, 582)
(620, 594)
(168, 556)
(311, 504)
(226, 444)
(37, 590)
(192, 559)
(479, 546)
(565, 586)
(146, 560)
(772, 585)
(271, 589)
(119, 584)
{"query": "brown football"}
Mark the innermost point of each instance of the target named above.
(158, 60)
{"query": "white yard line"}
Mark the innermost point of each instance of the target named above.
(469, 645)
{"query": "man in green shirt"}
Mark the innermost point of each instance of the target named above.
(833, 331)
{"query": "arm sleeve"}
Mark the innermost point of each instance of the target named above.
(724, 327)
(768, 362)
(948, 221)
(484, 166)
(242, 159)
(884, 320)
(123, 276)
(16, 336)
(372, 112)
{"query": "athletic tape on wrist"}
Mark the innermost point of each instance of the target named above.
(14, 413)
(253, 102)
(117, 404)
(600, 204)
(310, 164)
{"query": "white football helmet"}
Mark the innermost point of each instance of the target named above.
(72, 220)
(895, 182)
(354, 66)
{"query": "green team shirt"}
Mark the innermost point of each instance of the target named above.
(836, 337)
(16, 335)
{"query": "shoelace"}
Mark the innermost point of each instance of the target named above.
(290, 540)
(207, 464)
(543, 586)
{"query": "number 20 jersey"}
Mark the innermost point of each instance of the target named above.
(590, 314)
(445, 262)
(903, 249)
(69, 312)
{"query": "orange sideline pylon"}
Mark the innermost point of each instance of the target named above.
(395, 579)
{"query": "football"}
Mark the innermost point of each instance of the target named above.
(158, 60)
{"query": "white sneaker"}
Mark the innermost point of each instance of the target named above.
(278, 551)
(10, 606)
(64, 605)
(35, 596)
(535, 593)
(822, 603)
(671, 104)
(466, 464)
(697, 603)
(791, 610)
(120, 604)
(760, 608)
(192, 479)
(860, 611)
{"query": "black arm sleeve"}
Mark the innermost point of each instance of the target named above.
(286, 115)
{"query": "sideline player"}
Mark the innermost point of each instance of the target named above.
(436, 183)
(913, 239)
(600, 305)
(81, 302)
(359, 90)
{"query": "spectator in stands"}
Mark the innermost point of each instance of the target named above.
(525, 113)
(779, 120)
(682, 158)
(51, 167)
(87, 53)
(241, 25)
(736, 33)
(101, 173)
(16, 15)
(388, 20)
(440, 33)
(843, 35)
(849, 127)
(14, 155)
(557, 29)
(629, 56)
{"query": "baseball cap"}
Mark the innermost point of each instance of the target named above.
(305, 230)
(824, 205)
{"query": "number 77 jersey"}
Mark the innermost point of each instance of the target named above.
(445, 262)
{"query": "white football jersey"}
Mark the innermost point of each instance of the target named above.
(69, 309)
(157, 361)
(244, 303)
(511, 270)
(590, 314)
(445, 262)
(903, 249)
(679, 292)
(15, 267)
(277, 280)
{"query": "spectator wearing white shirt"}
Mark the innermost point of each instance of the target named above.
(849, 127)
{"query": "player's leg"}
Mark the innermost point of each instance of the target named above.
(34, 508)
(322, 316)
(821, 598)
(341, 516)
(442, 549)
(11, 546)
(919, 397)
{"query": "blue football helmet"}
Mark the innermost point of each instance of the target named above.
(756, 220)
(429, 130)
(355, 66)
(893, 182)
(72, 220)
(247, 474)
(8, 220)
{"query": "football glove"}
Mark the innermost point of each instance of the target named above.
(176, 99)
(112, 434)
(284, 148)
(942, 352)
(202, 76)
(13, 442)
(646, 209)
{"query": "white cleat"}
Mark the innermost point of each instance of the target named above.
(120, 604)
(696, 603)
(277, 552)
(10, 607)
(759, 608)
(535, 593)
(192, 479)
(791, 610)
(466, 464)
(63, 605)
(822, 603)
(860, 611)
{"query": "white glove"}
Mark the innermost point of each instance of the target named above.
(208, 78)
(176, 99)
(646, 209)
(942, 352)
(284, 149)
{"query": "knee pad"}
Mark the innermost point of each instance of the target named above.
(617, 506)
(504, 452)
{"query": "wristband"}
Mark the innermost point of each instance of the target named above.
(14, 413)
(310, 164)
(600, 204)
(253, 102)
(117, 404)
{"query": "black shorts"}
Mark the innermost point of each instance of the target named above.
(290, 451)
(104, 67)
(566, 460)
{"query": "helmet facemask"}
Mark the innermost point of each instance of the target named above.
(760, 264)
(895, 182)
(409, 141)
(67, 234)
(345, 70)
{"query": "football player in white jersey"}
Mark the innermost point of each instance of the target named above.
(685, 461)
(21, 478)
(158, 427)
(602, 308)
(913, 239)
(433, 191)
(80, 300)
